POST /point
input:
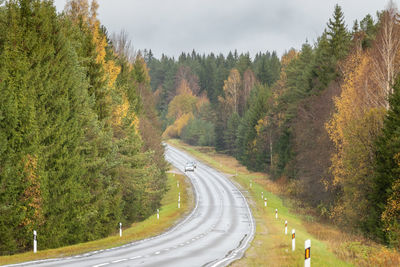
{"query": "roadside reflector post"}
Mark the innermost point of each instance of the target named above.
(285, 227)
(179, 196)
(179, 201)
(307, 253)
(262, 195)
(293, 240)
(265, 202)
(276, 213)
(34, 241)
(120, 229)
(158, 214)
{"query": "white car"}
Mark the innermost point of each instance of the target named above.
(189, 167)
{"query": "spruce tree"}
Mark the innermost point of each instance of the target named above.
(231, 133)
(324, 65)
(18, 135)
(338, 36)
(387, 162)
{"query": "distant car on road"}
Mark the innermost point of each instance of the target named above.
(189, 167)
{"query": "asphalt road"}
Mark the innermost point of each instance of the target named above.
(215, 233)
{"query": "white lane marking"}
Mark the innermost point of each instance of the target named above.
(102, 264)
(134, 258)
(119, 260)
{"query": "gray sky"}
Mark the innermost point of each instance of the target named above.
(173, 26)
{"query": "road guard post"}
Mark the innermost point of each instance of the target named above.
(285, 227)
(34, 241)
(307, 253)
(293, 240)
(120, 229)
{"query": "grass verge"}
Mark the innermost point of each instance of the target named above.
(329, 245)
(169, 215)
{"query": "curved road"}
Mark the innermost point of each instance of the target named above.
(216, 232)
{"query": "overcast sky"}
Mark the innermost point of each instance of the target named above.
(173, 26)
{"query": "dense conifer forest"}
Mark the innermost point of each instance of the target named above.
(79, 153)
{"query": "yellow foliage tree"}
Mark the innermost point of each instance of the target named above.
(175, 129)
(353, 129)
(181, 105)
(232, 90)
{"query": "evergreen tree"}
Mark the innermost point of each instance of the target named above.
(247, 150)
(338, 36)
(231, 133)
(19, 132)
(368, 26)
(324, 66)
(387, 163)
(243, 63)
(299, 73)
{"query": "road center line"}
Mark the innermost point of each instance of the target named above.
(119, 260)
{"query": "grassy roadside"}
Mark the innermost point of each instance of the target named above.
(329, 245)
(169, 214)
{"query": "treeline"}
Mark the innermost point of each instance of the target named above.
(79, 153)
(323, 120)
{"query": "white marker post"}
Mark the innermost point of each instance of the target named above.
(293, 240)
(265, 202)
(307, 253)
(179, 201)
(34, 241)
(158, 214)
(179, 196)
(262, 195)
(120, 229)
(285, 227)
(276, 213)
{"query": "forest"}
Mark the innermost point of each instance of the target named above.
(79, 153)
(323, 121)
